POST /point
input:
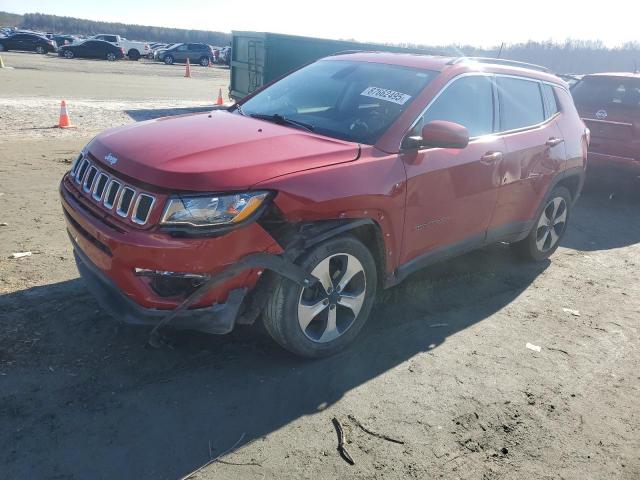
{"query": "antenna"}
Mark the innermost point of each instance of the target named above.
(500, 51)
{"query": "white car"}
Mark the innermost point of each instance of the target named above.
(132, 49)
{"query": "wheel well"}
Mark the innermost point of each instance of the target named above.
(571, 183)
(371, 236)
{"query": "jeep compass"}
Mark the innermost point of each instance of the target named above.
(295, 205)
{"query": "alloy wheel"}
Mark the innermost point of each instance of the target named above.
(330, 307)
(552, 224)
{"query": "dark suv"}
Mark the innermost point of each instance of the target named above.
(609, 104)
(28, 42)
(296, 204)
(195, 52)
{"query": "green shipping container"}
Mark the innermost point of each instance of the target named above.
(258, 58)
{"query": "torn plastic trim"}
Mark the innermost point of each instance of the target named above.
(265, 261)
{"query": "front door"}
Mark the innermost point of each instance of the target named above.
(452, 193)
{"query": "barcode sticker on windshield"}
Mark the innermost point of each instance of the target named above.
(388, 95)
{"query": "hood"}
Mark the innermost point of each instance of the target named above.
(215, 151)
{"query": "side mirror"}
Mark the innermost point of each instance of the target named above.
(441, 134)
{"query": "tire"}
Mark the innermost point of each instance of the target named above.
(40, 49)
(204, 61)
(2, 49)
(111, 57)
(549, 227)
(306, 331)
(133, 55)
(168, 59)
(68, 54)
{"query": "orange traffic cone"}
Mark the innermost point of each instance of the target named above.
(64, 121)
(219, 100)
(187, 70)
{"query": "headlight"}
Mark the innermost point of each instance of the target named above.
(211, 210)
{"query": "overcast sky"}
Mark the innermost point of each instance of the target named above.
(479, 22)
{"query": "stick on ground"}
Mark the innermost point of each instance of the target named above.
(375, 434)
(341, 442)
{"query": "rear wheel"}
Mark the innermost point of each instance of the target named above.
(40, 49)
(323, 319)
(68, 54)
(168, 59)
(133, 55)
(549, 228)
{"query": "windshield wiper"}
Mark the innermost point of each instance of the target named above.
(282, 120)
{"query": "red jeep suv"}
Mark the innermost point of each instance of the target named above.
(609, 104)
(299, 202)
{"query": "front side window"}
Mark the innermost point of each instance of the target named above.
(520, 103)
(468, 101)
(354, 101)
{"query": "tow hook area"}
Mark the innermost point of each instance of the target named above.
(266, 261)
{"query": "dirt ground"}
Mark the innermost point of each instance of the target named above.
(442, 365)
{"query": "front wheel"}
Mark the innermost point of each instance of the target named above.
(549, 227)
(68, 54)
(111, 56)
(204, 61)
(323, 319)
(168, 60)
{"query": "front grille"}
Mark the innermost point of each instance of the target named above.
(108, 192)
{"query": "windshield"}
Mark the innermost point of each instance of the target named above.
(608, 92)
(354, 101)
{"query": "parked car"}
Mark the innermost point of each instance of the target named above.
(225, 55)
(341, 178)
(195, 52)
(61, 40)
(158, 51)
(92, 49)
(609, 104)
(27, 42)
(132, 49)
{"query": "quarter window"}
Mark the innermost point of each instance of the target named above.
(467, 101)
(550, 104)
(520, 103)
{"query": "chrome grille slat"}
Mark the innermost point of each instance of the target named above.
(141, 211)
(87, 185)
(109, 192)
(125, 201)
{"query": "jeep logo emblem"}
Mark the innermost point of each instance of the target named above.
(111, 159)
(601, 114)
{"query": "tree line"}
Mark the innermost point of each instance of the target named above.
(79, 26)
(571, 56)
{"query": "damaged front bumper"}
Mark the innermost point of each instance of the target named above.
(219, 318)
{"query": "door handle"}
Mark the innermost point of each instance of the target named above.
(491, 157)
(553, 141)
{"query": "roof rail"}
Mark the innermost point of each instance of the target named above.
(346, 52)
(500, 61)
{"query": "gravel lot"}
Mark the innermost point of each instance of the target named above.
(441, 366)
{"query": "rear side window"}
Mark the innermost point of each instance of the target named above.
(607, 91)
(467, 101)
(550, 103)
(520, 103)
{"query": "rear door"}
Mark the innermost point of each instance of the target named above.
(452, 193)
(534, 152)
